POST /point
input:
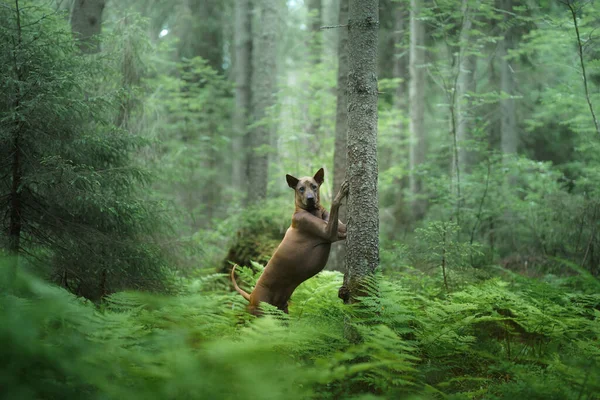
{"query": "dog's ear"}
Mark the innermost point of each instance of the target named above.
(319, 176)
(292, 182)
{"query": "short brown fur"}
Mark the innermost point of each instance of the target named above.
(305, 248)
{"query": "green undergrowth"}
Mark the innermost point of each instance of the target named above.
(496, 339)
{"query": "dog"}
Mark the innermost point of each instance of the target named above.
(304, 250)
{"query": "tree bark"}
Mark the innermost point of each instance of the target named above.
(264, 74)
(465, 83)
(200, 30)
(315, 8)
(362, 256)
(418, 143)
(315, 48)
(340, 155)
(395, 152)
(86, 22)
(508, 120)
(131, 77)
(243, 73)
(15, 211)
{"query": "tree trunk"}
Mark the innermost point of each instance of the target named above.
(243, 73)
(508, 120)
(465, 82)
(315, 48)
(15, 207)
(340, 156)
(399, 152)
(131, 77)
(362, 256)
(264, 74)
(86, 22)
(459, 117)
(315, 8)
(200, 30)
(418, 143)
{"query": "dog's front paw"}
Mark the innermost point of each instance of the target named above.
(344, 189)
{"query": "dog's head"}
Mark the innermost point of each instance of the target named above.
(307, 189)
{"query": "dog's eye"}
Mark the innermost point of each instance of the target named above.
(314, 187)
(301, 190)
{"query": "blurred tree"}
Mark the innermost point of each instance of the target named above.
(68, 180)
(243, 74)
(362, 256)
(315, 53)
(264, 82)
(508, 120)
(86, 23)
(200, 28)
(340, 163)
(465, 87)
(418, 139)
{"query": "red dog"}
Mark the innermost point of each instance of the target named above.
(305, 248)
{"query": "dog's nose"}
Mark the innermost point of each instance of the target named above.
(310, 196)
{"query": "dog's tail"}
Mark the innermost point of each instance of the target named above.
(246, 295)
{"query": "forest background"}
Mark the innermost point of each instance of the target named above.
(144, 145)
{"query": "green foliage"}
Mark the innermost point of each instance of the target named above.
(257, 231)
(190, 109)
(495, 339)
(78, 197)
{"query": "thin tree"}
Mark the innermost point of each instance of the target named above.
(315, 49)
(418, 143)
(15, 206)
(86, 23)
(340, 155)
(400, 104)
(264, 72)
(465, 83)
(508, 120)
(459, 103)
(243, 73)
(362, 256)
(573, 11)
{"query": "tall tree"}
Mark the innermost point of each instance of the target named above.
(315, 49)
(243, 73)
(508, 121)
(68, 183)
(86, 22)
(315, 9)
(362, 256)
(340, 155)
(205, 38)
(418, 143)
(465, 83)
(400, 105)
(264, 76)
